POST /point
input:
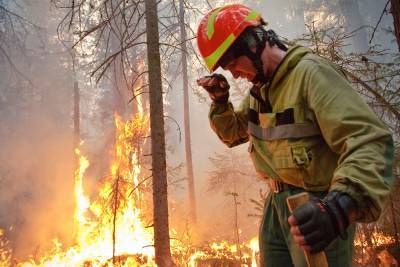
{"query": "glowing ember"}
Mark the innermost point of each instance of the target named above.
(226, 254)
(376, 239)
(255, 250)
(367, 248)
(5, 252)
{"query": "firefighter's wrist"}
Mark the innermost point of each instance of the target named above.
(343, 211)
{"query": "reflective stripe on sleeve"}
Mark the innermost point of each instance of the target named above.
(297, 130)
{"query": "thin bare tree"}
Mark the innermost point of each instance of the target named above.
(186, 116)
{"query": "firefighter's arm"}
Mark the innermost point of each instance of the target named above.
(352, 130)
(230, 125)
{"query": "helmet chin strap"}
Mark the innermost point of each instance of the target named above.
(260, 38)
(256, 38)
(258, 64)
(255, 57)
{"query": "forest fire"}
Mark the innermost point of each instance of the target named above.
(226, 254)
(376, 240)
(111, 227)
(67, 65)
(373, 248)
(111, 230)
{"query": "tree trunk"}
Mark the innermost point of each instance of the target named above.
(395, 10)
(186, 118)
(159, 171)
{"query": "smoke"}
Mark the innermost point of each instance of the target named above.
(36, 155)
(36, 149)
(37, 185)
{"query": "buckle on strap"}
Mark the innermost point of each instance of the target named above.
(276, 186)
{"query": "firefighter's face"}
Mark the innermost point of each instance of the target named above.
(241, 67)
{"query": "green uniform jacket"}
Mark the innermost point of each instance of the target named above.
(312, 131)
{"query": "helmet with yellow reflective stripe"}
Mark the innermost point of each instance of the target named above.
(219, 29)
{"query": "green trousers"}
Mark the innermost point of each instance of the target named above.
(277, 247)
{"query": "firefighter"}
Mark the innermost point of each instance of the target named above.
(307, 130)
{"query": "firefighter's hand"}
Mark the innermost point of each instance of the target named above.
(217, 87)
(317, 223)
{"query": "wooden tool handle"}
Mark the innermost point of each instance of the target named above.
(315, 259)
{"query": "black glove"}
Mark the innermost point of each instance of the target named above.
(217, 87)
(321, 221)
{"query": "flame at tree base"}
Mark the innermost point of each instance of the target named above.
(111, 230)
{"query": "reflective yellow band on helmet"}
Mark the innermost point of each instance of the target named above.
(253, 15)
(212, 59)
(210, 23)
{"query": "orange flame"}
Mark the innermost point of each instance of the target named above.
(225, 250)
(376, 239)
(5, 252)
(100, 225)
(111, 226)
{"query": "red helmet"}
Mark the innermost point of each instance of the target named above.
(220, 28)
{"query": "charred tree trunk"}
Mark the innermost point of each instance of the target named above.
(159, 171)
(186, 118)
(395, 10)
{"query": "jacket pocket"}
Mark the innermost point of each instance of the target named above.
(301, 156)
(310, 170)
(291, 163)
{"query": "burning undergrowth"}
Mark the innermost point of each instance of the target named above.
(114, 228)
